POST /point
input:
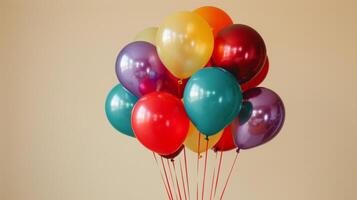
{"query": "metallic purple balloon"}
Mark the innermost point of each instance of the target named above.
(267, 116)
(140, 70)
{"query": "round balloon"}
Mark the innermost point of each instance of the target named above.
(118, 107)
(140, 70)
(266, 119)
(226, 142)
(241, 50)
(185, 43)
(160, 122)
(193, 136)
(147, 35)
(258, 79)
(212, 99)
(216, 18)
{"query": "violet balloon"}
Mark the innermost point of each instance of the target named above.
(266, 118)
(140, 70)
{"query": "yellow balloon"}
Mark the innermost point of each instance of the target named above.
(147, 35)
(191, 140)
(184, 43)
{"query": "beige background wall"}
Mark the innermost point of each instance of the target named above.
(57, 65)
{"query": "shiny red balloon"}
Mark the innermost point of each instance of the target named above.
(258, 79)
(160, 122)
(226, 142)
(241, 50)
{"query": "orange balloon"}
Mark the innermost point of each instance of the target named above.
(216, 18)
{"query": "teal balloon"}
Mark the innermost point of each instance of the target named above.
(212, 99)
(118, 107)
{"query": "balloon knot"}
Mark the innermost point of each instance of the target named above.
(206, 138)
(179, 81)
(172, 160)
(238, 150)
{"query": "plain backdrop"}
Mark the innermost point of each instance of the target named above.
(57, 66)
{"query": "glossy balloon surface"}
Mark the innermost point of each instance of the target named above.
(258, 79)
(215, 17)
(118, 107)
(226, 142)
(140, 70)
(267, 118)
(241, 50)
(212, 99)
(160, 122)
(185, 43)
(193, 136)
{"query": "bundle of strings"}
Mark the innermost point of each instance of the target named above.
(177, 178)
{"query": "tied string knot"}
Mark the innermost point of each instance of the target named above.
(238, 150)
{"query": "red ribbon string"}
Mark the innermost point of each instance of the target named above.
(198, 163)
(187, 182)
(172, 179)
(229, 175)
(218, 173)
(205, 169)
(213, 176)
(162, 177)
(183, 181)
(167, 180)
(177, 182)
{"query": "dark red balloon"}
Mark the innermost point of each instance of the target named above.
(175, 154)
(241, 50)
(180, 86)
(160, 122)
(226, 142)
(258, 79)
(209, 64)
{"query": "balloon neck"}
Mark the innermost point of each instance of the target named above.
(238, 150)
(206, 138)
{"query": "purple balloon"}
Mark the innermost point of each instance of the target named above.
(266, 118)
(140, 70)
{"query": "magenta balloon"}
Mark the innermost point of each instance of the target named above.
(140, 70)
(266, 118)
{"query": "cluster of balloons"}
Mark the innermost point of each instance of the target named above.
(195, 76)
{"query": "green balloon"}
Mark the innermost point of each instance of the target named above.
(118, 107)
(212, 99)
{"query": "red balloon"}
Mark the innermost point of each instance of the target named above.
(209, 64)
(241, 50)
(180, 85)
(175, 154)
(258, 79)
(160, 122)
(226, 142)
